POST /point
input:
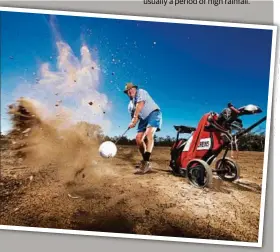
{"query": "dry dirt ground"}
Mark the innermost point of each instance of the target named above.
(106, 196)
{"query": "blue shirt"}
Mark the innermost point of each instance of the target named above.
(149, 106)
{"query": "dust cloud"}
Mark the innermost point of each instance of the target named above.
(58, 118)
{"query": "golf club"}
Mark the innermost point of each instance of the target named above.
(122, 135)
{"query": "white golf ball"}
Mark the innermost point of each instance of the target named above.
(107, 149)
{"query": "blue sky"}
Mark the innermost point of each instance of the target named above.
(188, 69)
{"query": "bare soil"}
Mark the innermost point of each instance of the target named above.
(104, 195)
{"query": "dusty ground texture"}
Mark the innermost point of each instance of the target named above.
(105, 195)
(53, 178)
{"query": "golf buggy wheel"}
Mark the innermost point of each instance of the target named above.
(199, 173)
(230, 170)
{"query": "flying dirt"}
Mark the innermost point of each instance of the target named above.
(54, 177)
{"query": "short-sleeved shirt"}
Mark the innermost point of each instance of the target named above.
(149, 106)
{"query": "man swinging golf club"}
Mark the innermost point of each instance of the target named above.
(143, 108)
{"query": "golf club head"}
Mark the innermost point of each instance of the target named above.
(250, 109)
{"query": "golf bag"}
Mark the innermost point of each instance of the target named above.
(203, 143)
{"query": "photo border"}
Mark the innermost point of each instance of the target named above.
(273, 28)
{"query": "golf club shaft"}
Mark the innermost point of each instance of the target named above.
(122, 135)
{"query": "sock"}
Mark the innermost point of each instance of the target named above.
(147, 156)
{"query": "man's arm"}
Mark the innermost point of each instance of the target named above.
(140, 98)
(139, 107)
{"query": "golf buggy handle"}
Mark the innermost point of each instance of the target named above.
(233, 108)
(239, 134)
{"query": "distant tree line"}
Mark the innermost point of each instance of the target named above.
(252, 142)
(159, 141)
(248, 142)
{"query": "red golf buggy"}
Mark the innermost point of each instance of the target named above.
(192, 157)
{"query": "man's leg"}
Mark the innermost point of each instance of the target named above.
(151, 125)
(149, 133)
(154, 124)
(140, 137)
(141, 143)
